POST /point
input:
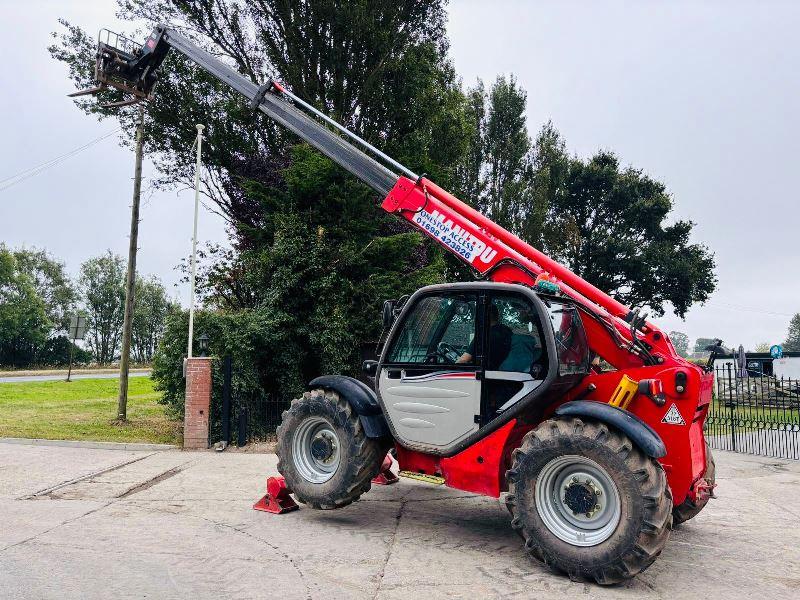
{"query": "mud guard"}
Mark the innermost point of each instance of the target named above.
(361, 399)
(637, 430)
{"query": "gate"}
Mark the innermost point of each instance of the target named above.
(241, 413)
(754, 414)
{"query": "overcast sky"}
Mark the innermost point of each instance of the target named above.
(702, 96)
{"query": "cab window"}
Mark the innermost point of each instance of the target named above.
(515, 338)
(572, 348)
(439, 330)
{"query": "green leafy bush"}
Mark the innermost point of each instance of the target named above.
(264, 358)
(55, 352)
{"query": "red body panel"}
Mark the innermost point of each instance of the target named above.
(685, 460)
(501, 256)
(480, 468)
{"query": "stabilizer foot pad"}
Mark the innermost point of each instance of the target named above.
(278, 499)
(386, 476)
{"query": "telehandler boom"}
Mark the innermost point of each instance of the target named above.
(490, 386)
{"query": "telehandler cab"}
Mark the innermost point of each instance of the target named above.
(493, 386)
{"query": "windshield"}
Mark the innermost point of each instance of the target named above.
(571, 346)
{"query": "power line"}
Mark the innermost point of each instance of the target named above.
(33, 171)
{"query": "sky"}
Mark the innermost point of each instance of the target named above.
(700, 95)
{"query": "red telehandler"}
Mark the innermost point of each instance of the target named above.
(490, 386)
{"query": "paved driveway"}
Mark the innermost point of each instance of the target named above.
(90, 523)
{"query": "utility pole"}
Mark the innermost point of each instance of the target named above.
(124, 362)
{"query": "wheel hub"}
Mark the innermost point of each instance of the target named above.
(582, 497)
(321, 447)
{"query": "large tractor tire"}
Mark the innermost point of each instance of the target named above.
(587, 501)
(688, 509)
(323, 452)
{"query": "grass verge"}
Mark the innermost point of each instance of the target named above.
(84, 409)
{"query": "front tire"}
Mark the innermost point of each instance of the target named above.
(588, 502)
(323, 453)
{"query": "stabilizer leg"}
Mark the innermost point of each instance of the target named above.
(278, 499)
(386, 476)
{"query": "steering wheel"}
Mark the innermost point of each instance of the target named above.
(444, 354)
(447, 352)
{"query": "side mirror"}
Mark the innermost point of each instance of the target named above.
(370, 368)
(388, 313)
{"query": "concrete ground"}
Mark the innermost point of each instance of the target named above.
(97, 523)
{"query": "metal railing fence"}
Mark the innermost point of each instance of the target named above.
(754, 414)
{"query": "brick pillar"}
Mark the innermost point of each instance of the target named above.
(198, 401)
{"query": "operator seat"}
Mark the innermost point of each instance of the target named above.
(524, 354)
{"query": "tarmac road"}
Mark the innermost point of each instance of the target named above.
(25, 378)
(96, 523)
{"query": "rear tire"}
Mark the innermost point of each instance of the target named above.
(688, 509)
(567, 466)
(323, 452)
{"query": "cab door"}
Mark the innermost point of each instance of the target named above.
(516, 357)
(430, 378)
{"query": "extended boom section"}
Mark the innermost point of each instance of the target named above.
(266, 99)
(137, 71)
(498, 255)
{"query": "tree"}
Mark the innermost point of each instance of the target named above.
(792, 343)
(53, 290)
(469, 180)
(379, 67)
(52, 283)
(56, 352)
(702, 344)
(762, 347)
(495, 172)
(608, 225)
(149, 317)
(506, 146)
(680, 341)
(550, 172)
(24, 325)
(102, 286)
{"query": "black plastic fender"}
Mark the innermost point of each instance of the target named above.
(640, 432)
(362, 400)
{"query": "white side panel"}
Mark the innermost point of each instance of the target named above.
(437, 409)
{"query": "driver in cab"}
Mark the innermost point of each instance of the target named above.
(499, 342)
